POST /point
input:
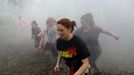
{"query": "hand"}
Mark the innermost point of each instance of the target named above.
(56, 68)
(116, 37)
(76, 74)
(39, 47)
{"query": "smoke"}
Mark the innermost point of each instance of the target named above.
(117, 15)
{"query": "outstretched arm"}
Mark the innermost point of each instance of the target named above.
(110, 33)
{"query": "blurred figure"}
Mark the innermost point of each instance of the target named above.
(71, 48)
(21, 23)
(37, 36)
(50, 36)
(89, 33)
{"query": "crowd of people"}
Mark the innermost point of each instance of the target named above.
(79, 49)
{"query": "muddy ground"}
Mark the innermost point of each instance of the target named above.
(19, 57)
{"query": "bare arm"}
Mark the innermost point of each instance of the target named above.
(110, 33)
(84, 66)
(58, 60)
(41, 40)
(56, 68)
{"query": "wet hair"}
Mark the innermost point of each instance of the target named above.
(88, 17)
(34, 22)
(67, 23)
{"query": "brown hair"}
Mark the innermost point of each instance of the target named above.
(67, 23)
(88, 17)
(34, 22)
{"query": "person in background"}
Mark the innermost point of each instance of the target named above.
(51, 36)
(21, 23)
(89, 33)
(37, 36)
(71, 49)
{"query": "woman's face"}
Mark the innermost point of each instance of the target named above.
(84, 24)
(63, 31)
(33, 25)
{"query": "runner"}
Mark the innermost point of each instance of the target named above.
(89, 33)
(71, 48)
(37, 36)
